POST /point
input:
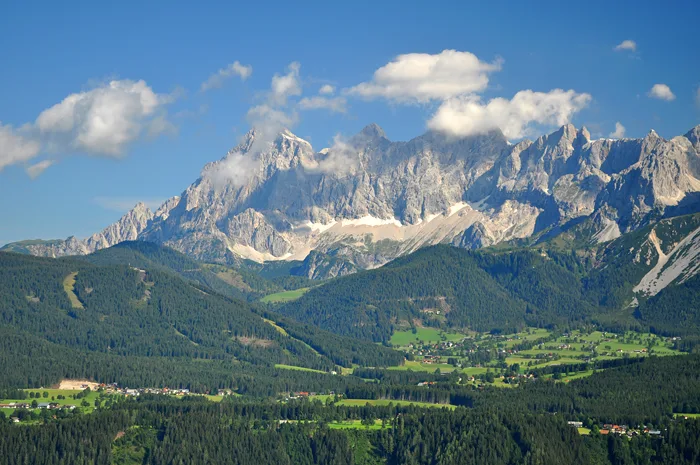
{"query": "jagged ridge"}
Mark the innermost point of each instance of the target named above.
(369, 200)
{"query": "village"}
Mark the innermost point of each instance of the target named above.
(428, 349)
(619, 430)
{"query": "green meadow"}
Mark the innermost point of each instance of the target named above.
(355, 424)
(69, 287)
(427, 335)
(385, 402)
(292, 367)
(52, 397)
(285, 296)
(419, 366)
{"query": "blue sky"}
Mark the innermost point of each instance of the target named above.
(53, 50)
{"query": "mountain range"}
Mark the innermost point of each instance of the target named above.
(367, 200)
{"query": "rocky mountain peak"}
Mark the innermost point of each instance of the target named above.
(568, 136)
(140, 210)
(568, 131)
(584, 136)
(372, 131)
(694, 137)
(399, 196)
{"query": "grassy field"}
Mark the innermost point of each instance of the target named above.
(285, 296)
(473, 371)
(90, 399)
(384, 402)
(69, 287)
(689, 415)
(418, 366)
(292, 367)
(530, 334)
(427, 335)
(355, 424)
(584, 431)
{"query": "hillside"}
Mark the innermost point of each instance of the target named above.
(236, 283)
(506, 288)
(130, 312)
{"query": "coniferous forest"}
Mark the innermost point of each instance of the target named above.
(493, 427)
(135, 316)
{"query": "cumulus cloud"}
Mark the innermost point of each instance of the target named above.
(104, 120)
(335, 104)
(217, 79)
(662, 92)
(326, 89)
(285, 85)
(340, 159)
(124, 204)
(468, 115)
(619, 131)
(421, 77)
(37, 168)
(268, 119)
(626, 45)
(15, 147)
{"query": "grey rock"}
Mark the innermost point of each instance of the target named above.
(368, 200)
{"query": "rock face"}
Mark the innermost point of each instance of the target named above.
(368, 200)
(128, 228)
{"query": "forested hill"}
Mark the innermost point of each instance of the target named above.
(505, 289)
(125, 311)
(237, 283)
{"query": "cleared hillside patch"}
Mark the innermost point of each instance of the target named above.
(69, 287)
(279, 329)
(285, 296)
(292, 367)
(385, 402)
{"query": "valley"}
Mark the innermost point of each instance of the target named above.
(521, 353)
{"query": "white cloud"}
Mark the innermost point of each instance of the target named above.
(104, 120)
(619, 131)
(236, 169)
(467, 115)
(268, 119)
(661, 92)
(335, 104)
(326, 89)
(421, 77)
(629, 45)
(286, 85)
(124, 204)
(15, 147)
(217, 79)
(340, 159)
(36, 169)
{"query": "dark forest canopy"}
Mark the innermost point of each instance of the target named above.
(124, 311)
(501, 426)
